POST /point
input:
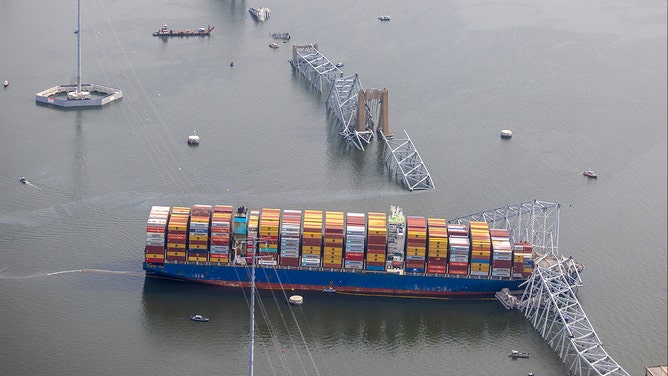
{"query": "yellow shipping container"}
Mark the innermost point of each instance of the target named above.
(198, 246)
(336, 253)
(310, 234)
(374, 257)
(197, 259)
(160, 256)
(481, 253)
(198, 237)
(176, 245)
(176, 253)
(479, 266)
(311, 249)
(331, 241)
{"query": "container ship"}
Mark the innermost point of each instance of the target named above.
(374, 253)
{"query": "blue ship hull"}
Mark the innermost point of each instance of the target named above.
(339, 280)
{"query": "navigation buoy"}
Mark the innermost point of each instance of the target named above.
(296, 300)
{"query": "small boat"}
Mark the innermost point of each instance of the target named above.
(22, 179)
(273, 45)
(165, 31)
(516, 354)
(6, 83)
(199, 318)
(296, 300)
(506, 133)
(590, 174)
(193, 139)
(339, 65)
(260, 14)
(384, 17)
(285, 36)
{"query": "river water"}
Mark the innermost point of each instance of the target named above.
(581, 84)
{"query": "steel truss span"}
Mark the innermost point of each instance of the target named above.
(549, 300)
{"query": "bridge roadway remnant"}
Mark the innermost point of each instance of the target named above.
(362, 113)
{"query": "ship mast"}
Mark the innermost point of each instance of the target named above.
(78, 46)
(252, 316)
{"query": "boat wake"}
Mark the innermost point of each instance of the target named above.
(41, 275)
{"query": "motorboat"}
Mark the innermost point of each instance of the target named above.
(590, 174)
(384, 17)
(6, 83)
(193, 139)
(516, 354)
(296, 300)
(273, 45)
(22, 179)
(199, 318)
(339, 65)
(506, 133)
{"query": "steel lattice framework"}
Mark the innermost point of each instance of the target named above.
(549, 300)
(314, 66)
(343, 100)
(401, 157)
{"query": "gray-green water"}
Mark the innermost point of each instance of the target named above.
(582, 85)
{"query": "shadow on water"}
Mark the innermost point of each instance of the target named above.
(327, 319)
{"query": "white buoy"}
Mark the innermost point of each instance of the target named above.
(296, 300)
(506, 133)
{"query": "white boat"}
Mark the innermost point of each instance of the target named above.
(193, 139)
(384, 17)
(260, 14)
(506, 133)
(339, 65)
(6, 83)
(273, 45)
(199, 318)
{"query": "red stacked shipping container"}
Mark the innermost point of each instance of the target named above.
(332, 256)
(502, 253)
(355, 239)
(459, 249)
(198, 233)
(156, 227)
(416, 244)
(221, 222)
(522, 259)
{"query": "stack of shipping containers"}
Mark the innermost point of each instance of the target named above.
(458, 249)
(437, 250)
(416, 245)
(376, 241)
(156, 227)
(333, 243)
(270, 220)
(522, 259)
(221, 221)
(502, 253)
(312, 238)
(291, 226)
(355, 238)
(198, 233)
(481, 248)
(177, 232)
(251, 236)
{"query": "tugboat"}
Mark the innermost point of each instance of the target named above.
(199, 318)
(590, 174)
(193, 139)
